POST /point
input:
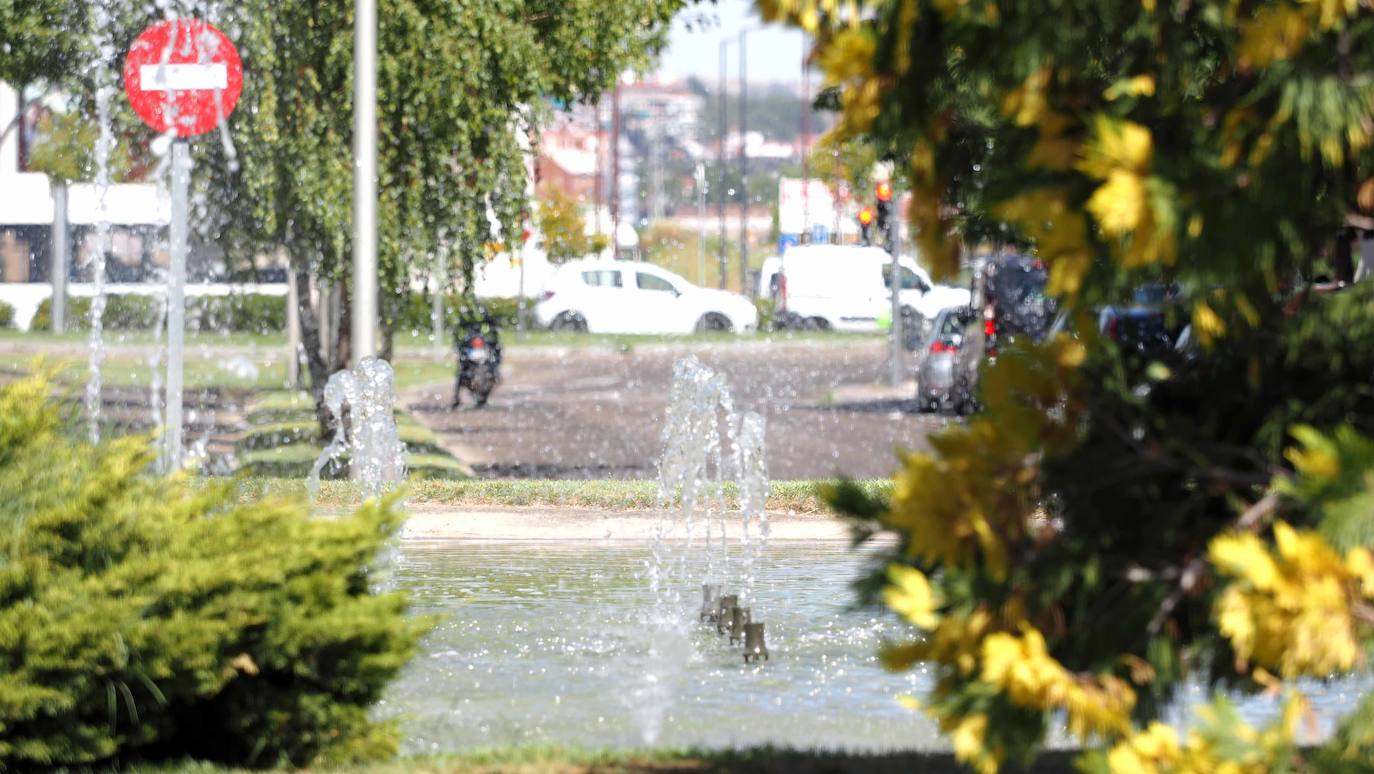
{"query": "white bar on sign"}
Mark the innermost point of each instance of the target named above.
(183, 77)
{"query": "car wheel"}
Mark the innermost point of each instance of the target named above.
(569, 322)
(714, 322)
(816, 324)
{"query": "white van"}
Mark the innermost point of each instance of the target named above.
(845, 288)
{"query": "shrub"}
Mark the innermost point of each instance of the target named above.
(767, 309)
(236, 312)
(142, 618)
(415, 313)
(6, 315)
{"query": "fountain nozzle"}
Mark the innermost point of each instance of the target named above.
(754, 646)
(739, 618)
(725, 610)
(710, 601)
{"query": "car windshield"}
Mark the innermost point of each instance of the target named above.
(910, 279)
(1017, 295)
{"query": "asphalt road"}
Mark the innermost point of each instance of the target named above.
(598, 413)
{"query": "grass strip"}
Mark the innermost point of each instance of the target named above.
(783, 496)
(567, 760)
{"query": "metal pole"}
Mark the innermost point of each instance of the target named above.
(720, 165)
(364, 330)
(615, 170)
(701, 223)
(57, 266)
(805, 140)
(293, 330)
(743, 173)
(176, 301)
(894, 360)
(600, 169)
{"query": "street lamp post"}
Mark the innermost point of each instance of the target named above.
(720, 163)
(701, 223)
(364, 332)
(743, 169)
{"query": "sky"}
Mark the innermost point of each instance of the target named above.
(773, 53)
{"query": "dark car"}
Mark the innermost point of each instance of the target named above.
(938, 357)
(1008, 302)
(1141, 329)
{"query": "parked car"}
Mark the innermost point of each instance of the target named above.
(1008, 302)
(629, 297)
(937, 357)
(1135, 328)
(846, 287)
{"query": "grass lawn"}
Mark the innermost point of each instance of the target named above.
(783, 496)
(282, 441)
(567, 760)
(208, 369)
(422, 340)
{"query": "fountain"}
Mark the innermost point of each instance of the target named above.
(361, 403)
(697, 463)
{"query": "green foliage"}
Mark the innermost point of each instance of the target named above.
(462, 89)
(6, 315)
(1056, 553)
(142, 618)
(416, 314)
(64, 149)
(459, 83)
(561, 223)
(43, 38)
(236, 312)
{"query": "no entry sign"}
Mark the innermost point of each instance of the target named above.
(183, 75)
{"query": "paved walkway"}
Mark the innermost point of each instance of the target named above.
(598, 413)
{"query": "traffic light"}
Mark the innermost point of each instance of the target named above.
(866, 224)
(883, 192)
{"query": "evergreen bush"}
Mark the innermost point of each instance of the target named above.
(142, 618)
(236, 312)
(416, 313)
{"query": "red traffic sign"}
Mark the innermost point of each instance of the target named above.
(183, 75)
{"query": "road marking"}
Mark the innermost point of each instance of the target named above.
(183, 77)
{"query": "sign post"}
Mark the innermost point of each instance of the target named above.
(183, 77)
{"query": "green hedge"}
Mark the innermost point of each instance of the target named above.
(417, 310)
(150, 618)
(6, 315)
(237, 312)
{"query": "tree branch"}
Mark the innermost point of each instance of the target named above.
(1193, 570)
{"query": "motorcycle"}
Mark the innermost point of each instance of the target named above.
(479, 362)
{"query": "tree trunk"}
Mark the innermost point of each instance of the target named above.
(343, 335)
(1342, 258)
(310, 340)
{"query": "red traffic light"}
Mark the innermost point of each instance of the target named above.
(883, 191)
(865, 216)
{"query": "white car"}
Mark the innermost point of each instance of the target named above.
(846, 287)
(631, 297)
